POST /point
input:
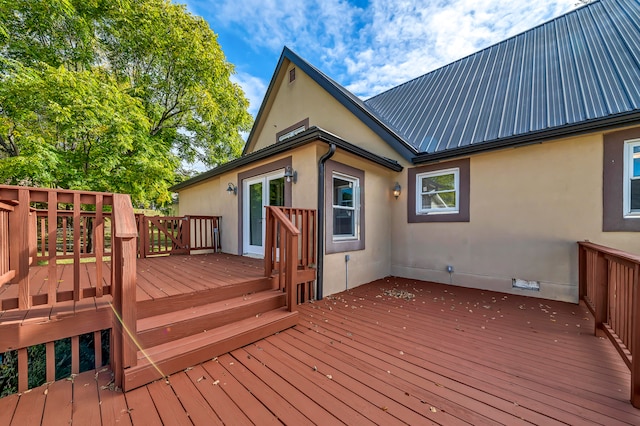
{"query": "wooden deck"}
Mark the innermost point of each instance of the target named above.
(157, 277)
(448, 356)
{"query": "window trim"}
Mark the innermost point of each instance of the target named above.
(613, 174)
(355, 208)
(420, 210)
(627, 178)
(340, 245)
(462, 215)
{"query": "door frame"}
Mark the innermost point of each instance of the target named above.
(256, 172)
(265, 179)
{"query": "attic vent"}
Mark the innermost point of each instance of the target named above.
(525, 285)
(291, 134)
(292, 75)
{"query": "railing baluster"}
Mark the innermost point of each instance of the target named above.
(52, 224)
(76, 246)
(19, 257)
(98, 244)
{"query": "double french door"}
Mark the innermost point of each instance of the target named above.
(258, 192)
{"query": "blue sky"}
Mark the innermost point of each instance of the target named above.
(367, 46)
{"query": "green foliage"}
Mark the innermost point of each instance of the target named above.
(111, 95)
(37, 362)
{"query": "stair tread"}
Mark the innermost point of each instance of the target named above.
(181, 346)
(187, 314)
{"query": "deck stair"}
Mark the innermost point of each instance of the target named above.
(176, 333)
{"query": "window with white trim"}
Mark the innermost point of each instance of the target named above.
(631, 197)
(438, 192)
(345, 195)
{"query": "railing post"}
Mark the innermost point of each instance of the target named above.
(635, 340)
(602, 294)
(124, 291)
(292, 270)
(269, 238)
(186, 233)
(19, 247)
(582, 272)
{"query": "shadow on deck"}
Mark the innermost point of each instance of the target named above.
(445, 356)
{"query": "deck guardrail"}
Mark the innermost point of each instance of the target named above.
(6, 273)
(609, 285)
(162, 235)
(287, 256)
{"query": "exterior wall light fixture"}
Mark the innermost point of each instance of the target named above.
(232, 189)
(289, 174)
(397, 189)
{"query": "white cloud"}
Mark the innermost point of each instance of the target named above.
(254, 89)
(387, 43)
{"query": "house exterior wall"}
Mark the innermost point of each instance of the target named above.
(528, 208)
(304, 98)
(211, 198)
(373, 261)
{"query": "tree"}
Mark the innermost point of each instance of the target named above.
(111, 95)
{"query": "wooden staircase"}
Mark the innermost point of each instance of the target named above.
(178, 332)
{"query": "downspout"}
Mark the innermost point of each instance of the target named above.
(320, 246)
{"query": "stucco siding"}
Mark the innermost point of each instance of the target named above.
(529, 206)
(374, 261)
(304, 98)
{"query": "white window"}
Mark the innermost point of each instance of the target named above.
(345, 207)
(631, 198)
(438, 192)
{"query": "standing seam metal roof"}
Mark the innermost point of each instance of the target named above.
(579, 67)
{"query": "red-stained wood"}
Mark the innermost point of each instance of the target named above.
(247, 402)
(58, 406)
(141, 408)
(284, 408)
(86, 403)
(199, 410)
(75, 355)
(52, 223)
(23, 370)
(19, 246)
(50, 361)
(113, 405)
(167, 404)
(30, 407)
(7, 408)
(98, 240)
(212, 389)
(97, 349)
(76, 246)
(635, 337)
(449, 356)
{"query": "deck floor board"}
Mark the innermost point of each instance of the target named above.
(366, 357)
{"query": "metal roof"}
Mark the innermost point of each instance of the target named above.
(582, 67)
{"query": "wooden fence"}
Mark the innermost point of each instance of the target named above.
(162, 235)
(289, 253)
(609, 281)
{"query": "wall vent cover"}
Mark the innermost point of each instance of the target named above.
(525, 284)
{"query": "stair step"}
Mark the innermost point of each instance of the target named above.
(170, 326)
(149, 308)
(165, 359)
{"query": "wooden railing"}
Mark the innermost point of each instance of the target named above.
(609, 285)
(27, 242)
(63, 230)
(49, 226)
(6, 273)
(288, 258)
(305, 221)
(162, 235)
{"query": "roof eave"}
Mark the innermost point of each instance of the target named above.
(313, 134)
(611, 122)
